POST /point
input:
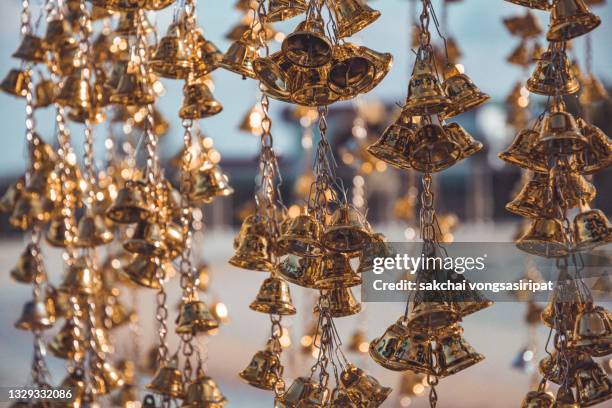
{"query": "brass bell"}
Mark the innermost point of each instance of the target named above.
(75, 91)
(303, 392)
(455, 354)
(352, 16)
(133, 90)
(30, 50)
(598, 155)
(433, 149)
(107, 377)
(464, 140)
(147, 239)
(206, 57)
(534, 4)
(129, 206)
(45, 93)
(81, 279)
(593, 91)
(351, 72)
(279, 10)
(560, 132)
(302, 237)
(310, 87)
(128, 397)
(303, 271)
(468, 301)
(533, 199)
(273, 72)
(538, 399)
(58, 32)
(520, 56)
(425, 94)
(363, 389)
(308, 46)
(385, 350)
(274, 298)
(253, 253)
(198, 101)
(68, 54)
(75, 381)
(522, 152)
(570, 19)
(565, 398)
(92, 231)
(591, 229)
(195, 317)
(395, 144)
(62, 232)
(348, 230)
(265, 368)
(382, 61)
(414, 353)
(378, 248)
(463, 94)
(240, 56)
(168, 380)
(203, 392)
(545, 237)
(552, 75)
(143, 271)
(11, 195)
(593, 330)
(171, 58)
(129, 23)
(575, 189)
(28, 266)
(336, 270)
(592, 384)
(37, 314)
(340, 399)
(209, 182)
(432, 312)
(15, 83)
(525, 26)
(28, 209)
(339, 302)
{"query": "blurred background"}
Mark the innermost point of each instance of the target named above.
(470, 196)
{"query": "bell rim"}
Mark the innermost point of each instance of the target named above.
(587, 21)
(352, 27)
(251, 265)
(465, 104)
(272, 309)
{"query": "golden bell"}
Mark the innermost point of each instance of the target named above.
(129, 206)
(522, 152)
(302, 237)
(340, 399)
(11, 195)
(279, 10)
(534, 4)
(273, 72)
(523, 26)
(62, 232)
(425, 94)
(253, 253)
(37, 314)
(382, 61)
(92, 231)
(45, 93)
(68, 53)
(130, 22)
(310, 86)
(591, 229)
(106, 377)
(593, 91)
(352, 16)
(265, 368)
(565, 398)
(378, 248)
(552, 75)
(351, 72)
(171, 59)
(27, 268)
(348, 230)
(339, 302)
(520, 55)
(75, 91)
(15, 83)
(28, 209)
(363, 389)
(209, 182)
(336, 270)
(58, 32)
(593, 330)
(195, 317)
(240, 56)
(414, 353)
(133, 89)
(433, 149)
(468, 301)
(455, 354)
(308, 46)
(592, 384)
(598, 154)
(143, 271)
(30, 50)
(303, 393)
(533, 199)
(81, 279)
(560, 132)
(385, 350)
(168, 380)
(570, 19)
(545, 237)
(274, 298)
(464, 140)
(463, 94)
(395, 144)
(538, 399)
(147, 239)
(203, 392)
(198, 102)
(302, 271)
(74, 381)
(207, 55)
(575, 190)
(432, 314)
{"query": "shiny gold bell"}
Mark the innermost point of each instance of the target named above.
(433, 149)
(207, 55)
(44, 93)
(464, 140)
(352, 16)
(425, 94)
(302, 271)
(28, 266)
(378, 248)
(133, 89)
(240, 56)
(273, 72)
(129, 206)
(310, 87)
(80, 279)
(31, 49)
(351, 72)
(265, 368)
(195, 317)
(37, 314)
(463, 94)
(339, 302)
(92, 231)
(570, 19)
(593, 330)
(522, 152)
(385, 350)
(560, 133)
(348, 230)
(592, 384)
(15, 83)
(336, 270)
(58, 32)
(171, 58)
(598, 154)
(274, 298)
(302, 237)
(308, 46)
(533, 199)
(198, 101)
(76, 91)
(168, 380)
(144, 271)
(395, 144)
(253, 253)
(363, 389)
(382, 61)
(303, 392)
(209, 182)
(279, 10)
(545, 237)
(552, 75)
(62, 232)
(538, 399)
(147, 239)
(455, 354)
(203, 392)
(432, 314)
(106, 377)
(591, 229)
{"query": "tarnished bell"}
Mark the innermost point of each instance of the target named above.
(351, 72)
(15, 83)
(570, 19)
(37, 314)
(553, 75)
(545, 237)
(195, 317)
(143, 270)
(81, 279)
(265, 368)
(253, 253)
(336, 270)
(310, 86)
(240, 56)
(302, 271)
(209, 182)
(198, 102)
(168, 380)
(538, 399)
(129, 206)
(592, 384)
(560, 133)
(339, 302)
(303, 393)
(61, 232)
(433, 149)
(92, 231)
(352, 16)
(522, 152)
(133, 90)
(274, 298)
(279, 10)
(31, 49)
(76, 91)
(171, 59)
(593, 331)
(463, 94)
(203, 392)
(591, 229)
(455, 354)
(534, 4)
(425, 94)
(308, 46)
(302, 237)
(362, 389)
(464, 140)
(395, 144)
(533, 199)
(377, 248)
(273, 72)
(348, 230)
(26, 269)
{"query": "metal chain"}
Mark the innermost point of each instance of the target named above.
(186, 270)
(162, 314)
(432, 381)
(276, 332)
(26, 26)
(427, 212)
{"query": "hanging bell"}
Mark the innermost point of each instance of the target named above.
(592, 384)
(565, 398)
(338, 302)
(336, 270)
(593, 330)
(395, 144)
(352, 16)
(74, 381)
(463, 94)
(209, 182)
(168, 380)
(253, 253)
(455, 354)
(431, 314)
(133, 90)
(273, 72)
(147, 239)
(15, 83)
(308, 46)
(44, 93)
(11, 195)
(92, 231)
(362, 389)
(534, 4)
(348, 230)
(538, 399)
(31, 49)
(171, 58)
(302, 237)
(274, 298)
(27, 268)
(203, 392)
(81, 279)
(195, 317)
(129, 206)
(108, 378)
(143, 271)
(382, 61)
(378, 248)
(37, 314)
(520, 56)
(351, 72)
(522, 152)
(545, 237)
(58, 32)
(467, 301)
(552, 75)
(29, 209)
(240, 56)
(425, 94)
(598, 155)
(385, 350)
(302, 271)
(593, 91)
(464, 140)
(591, 229)
(570, 19)
(433, 150)
(265, 368)
(280, 10)
(205, 57)
(534, 198)
(75, 91)
(525, 26)
(198, 102)
(62, 232)
(303, 392)
(560, 133)
(310, 87)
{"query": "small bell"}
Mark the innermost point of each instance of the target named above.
(560, 132)
(274, 298)
(522, 152)
(339, 302)
(107, 376)
(280, 10)
(463, 94)
(130, 22)
(45, 93)
(195, 317)
(308, 46)
(133, 90)
(363, 389)
(432, 315)
(62, 232)
(203, 392)
(302, 271)
(552, 75)
(253, 253)
(385, 350)
(598, 155)
(28, 209)
(336, 270)
(425, 94)
(592, 384)
(81, 279)
(11, 195)
(147, 239)
(75, 382)
(538, 399)
(303, 392)
(273, 72)
(75, 91)
(534, 198)
(31, 49)
(591, 229)
(378, 248)
(129, 206)
(92, 231)
(433, 150)
(58, 32)
(302, 237)
(593, 330)
(525, 26)
(576, 190)
(265, 368)
(168, 380)
(464, 140)
(310, 87)
(207, 55)
(143, 271)
(395, 144)
(455, 354)
(593, 91)
(382, 61)
(520, 56)
(209, 182)
(171, 58)
(352, 16)
(37, 314)
(240, 56)
(545, 237)
(27, 268)
(198, 102)
(570, 19)
(15, 83)
(351, 72)
(348, 230)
